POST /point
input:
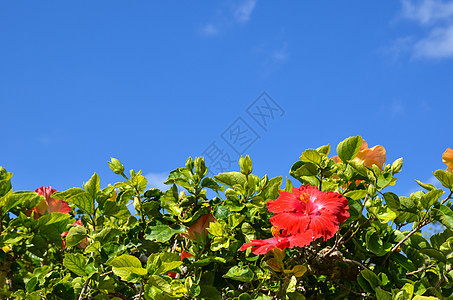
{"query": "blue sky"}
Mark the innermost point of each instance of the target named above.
(153, 83)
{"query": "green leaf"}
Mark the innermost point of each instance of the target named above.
(93, 186)
(444, 215)
(372, 278)
(160, 263)
(78, 197)
(117, 210)
(382, 295)
(235, 219)
(374, 242)
(392, 200)
(231, 178)
(402, 261)
(128, 267)
(426, 186)
(384, 180)
(430, 198)
(76, 263)
(210, 183)
(160, 283)
(209, 292)
(312, 156)
(59, 219)
(209, 260)
(356, 195)
(434, 253)
(360, 168)
(76, 235)
(408, 205)
(349, 148)
(107, 235)
(445, 178)
(243, 274)
(272, 190)
(169, 201)
(324, 149)
(180, 176)
(19, 197)
(163, 233)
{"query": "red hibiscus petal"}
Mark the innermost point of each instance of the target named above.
(294, 223)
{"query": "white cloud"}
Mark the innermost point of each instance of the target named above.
(397, 108)
(210, 30)
(244, 10)
(237, 13)
(282, 54)
(156, 180)
(428, 11)
(438, 44)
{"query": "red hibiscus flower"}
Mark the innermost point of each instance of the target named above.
(48, 204)
(185, 254)
(280, 241)
(264, 246)
(307, 208)
(199, 227)
(83, 244)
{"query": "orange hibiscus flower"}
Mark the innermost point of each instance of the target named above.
(199, 227)
(368, 156)
(447, 159)
(48, 204)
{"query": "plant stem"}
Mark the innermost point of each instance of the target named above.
(420, 225)
(85, 286)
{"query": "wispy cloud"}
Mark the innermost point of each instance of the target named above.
(437, 17)
(428, 11)
(156, 180)
(210, 30)
(281, 54)
(244, 10)
(239, 12)
(438, 44)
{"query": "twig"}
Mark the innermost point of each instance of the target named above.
(338, 241)
(420, 225)
(352, 291)
(442, 278)
(84, 289)
(354, 262)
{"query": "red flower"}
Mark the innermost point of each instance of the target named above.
(264, 246)
(199, 227)
(83, 244)
(307, 208)
(48, 204)
(185, 254)
(280, 241)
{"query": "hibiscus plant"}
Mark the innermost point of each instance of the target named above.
(339, 233)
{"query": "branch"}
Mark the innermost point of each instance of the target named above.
(352, 291)
(84, 289)
(420, 225)
(442, 278)
(354, 262)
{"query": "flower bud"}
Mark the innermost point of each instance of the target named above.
(246, 165)
(116, 166)
(189, 163)
(200, 167)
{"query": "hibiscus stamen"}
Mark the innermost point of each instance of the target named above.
(304, 197)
